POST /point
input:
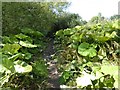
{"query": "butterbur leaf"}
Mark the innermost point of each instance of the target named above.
(84, 53)
(6, 39)
(28, 56)
(22, 67)
(37, 33)
(31, 32)
(14, 57)
(85, 49)
(27, 31)
(92, 52)
(8, 64)
(65, 75)
(77, 37)
(27, 44)
(101, 38)
(59, 33)
(21, 36)
(10, 39)
(40, 69)
(85, 80)
(84, 45)
(11, 48)
(113, 71)
(24, 37)
(4, 79)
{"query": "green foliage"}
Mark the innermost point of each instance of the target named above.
(87, 54)
(22, 67)
(40, 69)
(11, 48)
(32, 32)
(86, 50)
(16, 61)
(34, 15)
(26, 44)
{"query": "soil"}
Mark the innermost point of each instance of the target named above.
(53, 81)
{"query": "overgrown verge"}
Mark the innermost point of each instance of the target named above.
(21, 66)
(88, 56)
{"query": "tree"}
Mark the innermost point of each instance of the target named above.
(64, 21)
(97, 19)
(114, 17)
(34, 15)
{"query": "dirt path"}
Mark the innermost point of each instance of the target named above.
(52, 68)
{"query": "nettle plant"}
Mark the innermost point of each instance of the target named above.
(17, 67)
(89, 55)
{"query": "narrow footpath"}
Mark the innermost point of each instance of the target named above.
(52, 68)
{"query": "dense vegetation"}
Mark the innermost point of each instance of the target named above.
(87, 53)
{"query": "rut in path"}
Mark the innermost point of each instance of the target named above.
(52, 68)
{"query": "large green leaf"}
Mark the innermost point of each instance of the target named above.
(10, 39)
(40, 69)
(4, 69)
(4, 79)
(67, 32)
(77, 37)
(85, 79)
(11, 48)
(22, 67)
(24, 37)
(65, 76)
(8, 64)
(21, 36)
(101, 38)
(27, 44)
(14, 57)
(28, 56)
(113, 71)
(92, 52)
(32, 32)
(116, 24)
(85, 49)
(59, 33)
(37, 33)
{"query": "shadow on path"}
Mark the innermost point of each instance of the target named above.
(53, 80)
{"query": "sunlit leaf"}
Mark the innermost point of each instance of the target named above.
(112, 70)
(22, 67)
(85, 80)
(14, 57)
(84, 49)
(92, 52)
(8, 64)
(4, 79)
(11, 48)
(27, 44)
(28, 56)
